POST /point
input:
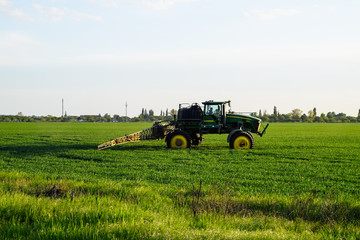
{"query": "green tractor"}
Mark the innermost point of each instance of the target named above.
(192, 122)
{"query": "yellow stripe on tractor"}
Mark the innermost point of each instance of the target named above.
(239, 117)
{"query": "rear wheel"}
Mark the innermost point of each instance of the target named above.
(179, 139)
(242, 140)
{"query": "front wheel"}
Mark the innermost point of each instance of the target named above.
(179, 140)
(242, 140)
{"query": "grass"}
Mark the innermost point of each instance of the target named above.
(301, 181)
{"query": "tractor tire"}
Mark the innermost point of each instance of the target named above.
(252, 137)
(179, 139)
(242, 140)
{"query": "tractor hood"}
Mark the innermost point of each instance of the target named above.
(241, 116)
(245, 122)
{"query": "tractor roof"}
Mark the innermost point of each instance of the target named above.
(212, 102)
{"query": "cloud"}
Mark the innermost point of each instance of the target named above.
(55, 14)
(110, 3)
(4, 4)
(5, 8)
(271, 14)
(107, 3)
(163, 4)
(84, 16)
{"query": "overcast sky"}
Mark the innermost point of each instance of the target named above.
(155, 54)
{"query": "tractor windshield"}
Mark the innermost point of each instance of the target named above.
(212, 110)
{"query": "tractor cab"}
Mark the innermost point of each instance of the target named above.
(214, 116)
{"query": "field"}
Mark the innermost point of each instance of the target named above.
(301, 181)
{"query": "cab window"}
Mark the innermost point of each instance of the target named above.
(212, 110)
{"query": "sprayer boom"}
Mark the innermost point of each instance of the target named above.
(157, 131)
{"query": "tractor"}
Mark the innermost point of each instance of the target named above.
(192, 122)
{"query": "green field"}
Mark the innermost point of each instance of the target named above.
(301, 181)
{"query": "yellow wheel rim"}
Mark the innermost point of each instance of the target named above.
(178, 141)
(242, 142)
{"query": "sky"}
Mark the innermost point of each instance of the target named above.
(154, 54)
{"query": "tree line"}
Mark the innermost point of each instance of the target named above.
(296, 115)
(145, 116)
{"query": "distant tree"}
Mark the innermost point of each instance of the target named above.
(304, 118)
(50, 118)
(314, 111)
(151, 113)
(90, 119)
(324, 117)
(341, 117)
(310, 113)
(352, 119)
(288, 118)
(275, 111)
(136, 119)
(265, 118)
(296, 113)
(330, 114)
(310, 116)
(318, 119)
(282, 118)
(260, 114)
(167, 112)
(116, 118)
(173, 112)
(107, 118)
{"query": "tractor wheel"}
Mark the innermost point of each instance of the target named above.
(242, 140)
(179, 139)
(252, 137)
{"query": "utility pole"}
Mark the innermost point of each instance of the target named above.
(62, 107)
(126, 105)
